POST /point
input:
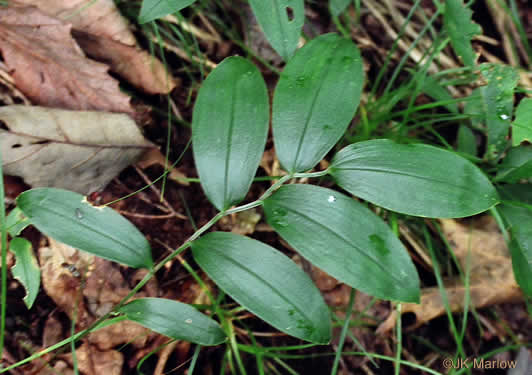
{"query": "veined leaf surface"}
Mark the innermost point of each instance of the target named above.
(315, 100)
(417, 180)
(345, 239)
(174, 319)
(153, 9)
(69, 218)
(229, 129)
(265, 282)
(281, 21)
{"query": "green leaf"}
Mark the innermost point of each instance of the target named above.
(417, 180)
(345, 239)
(516, 166)
(229, 130)
(517, 192)
(174, 319)
(281, 21)
(16, 222)
(69, 218)
(435, 90)
(26, 270)
(461, 29)
(497, 100)
(522, 125)
(338, 6)
(153, 9)
(315, 100)
(519, 220)
(265, 282)
(467, 142)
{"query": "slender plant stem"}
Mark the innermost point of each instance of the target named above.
(101, 321)
(399, 335)
(3, 247)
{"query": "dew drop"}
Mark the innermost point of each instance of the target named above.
(188, 321)
(79, 214)
(331, 199)
(504, 116)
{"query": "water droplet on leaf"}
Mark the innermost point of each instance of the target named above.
(331, 199)
(79, 214)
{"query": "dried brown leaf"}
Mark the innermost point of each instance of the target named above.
(75, 150)
(88, 287)
(50, 68)
(105, 36)
(491, 280)
(93, 361)
(154, 157)
(130, 62)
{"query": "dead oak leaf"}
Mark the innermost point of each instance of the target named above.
(491, 276)
(50, 68)
(76, 150)
(104, 35)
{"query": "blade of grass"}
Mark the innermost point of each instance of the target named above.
(343, 334)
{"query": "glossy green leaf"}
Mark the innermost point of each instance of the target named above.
(315, 100)
(26, 269)
(461, 29)
(265, 282)
(154, 9)
(497, 99)
(338, 6)
(516, 166)
(519, 220)
(281, 21)
(345, 239)
(16, 222)
(522, 125)
(229, 129)
(174, 319)
(417, 180)
(467, 141)
(69, 218)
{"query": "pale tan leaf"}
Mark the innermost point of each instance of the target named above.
(491, 280)
(154, 157)
(50, 68)
(99, 17)
(79, 151)
(135, 65)
(105, 36)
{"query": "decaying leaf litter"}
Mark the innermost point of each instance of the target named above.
(71, 80)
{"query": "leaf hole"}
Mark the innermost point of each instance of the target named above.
(41, 142)
(3, 125)
(16, 145)
(290, 13)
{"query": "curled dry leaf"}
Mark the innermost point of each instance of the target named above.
(78, 151)
(50, 68)
(105, 36)
(89, 287)
(491, 280)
